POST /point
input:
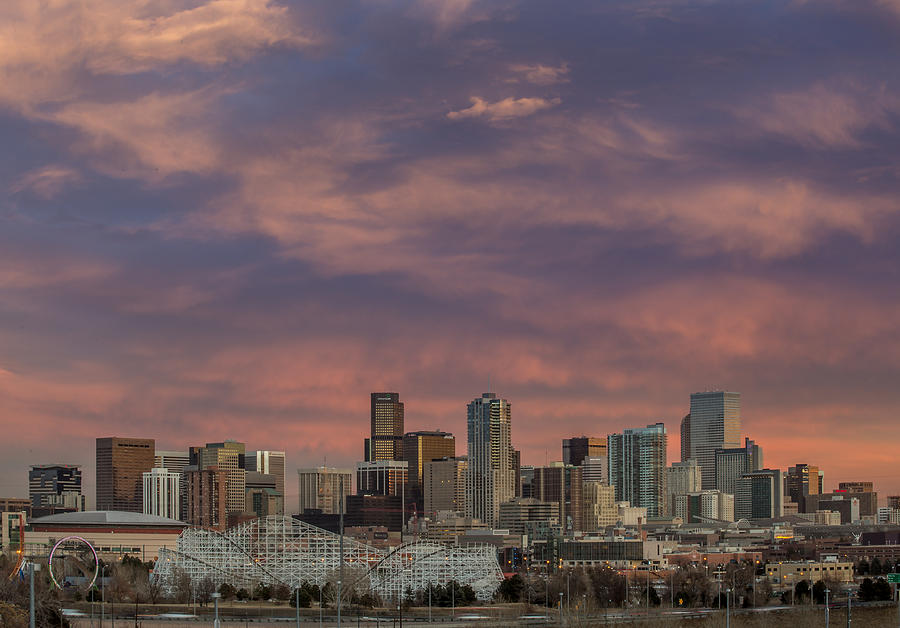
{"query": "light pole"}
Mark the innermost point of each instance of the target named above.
(341, 551)
(727, 608)
(297, 604)
(827, 610)
(31, 571)
(215, 597)
(849, 597)
(102, 594)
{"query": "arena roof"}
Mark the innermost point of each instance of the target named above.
(106, 518)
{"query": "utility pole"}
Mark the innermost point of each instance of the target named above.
(216, 597)
(31, 595)
(340, 551)
(102, 595)
(727, 608)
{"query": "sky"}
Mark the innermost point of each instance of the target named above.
(237, 218)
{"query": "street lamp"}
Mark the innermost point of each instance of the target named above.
(215, 597)
(727, 608)
(827, 610)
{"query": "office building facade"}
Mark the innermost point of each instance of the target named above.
(686, 438)
(177, 462)
(162, 493)
(682, 478)
(121, 464)
(54, 487)
(801, 486)
(207, 498)
(420, 448)
(444, 485)
(577, 448)
(518, 512)
(382, 477)
(758, 495)
(599, 508)
(386, 423)
(731, 464)
(227, 456)
(324, 488)
(637, 467)
(715, 423)
(491, 477)
(704, 506)
(268, 462)
(596, 468)
(561, 484)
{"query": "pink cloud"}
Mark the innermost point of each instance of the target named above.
(540, 74)
(824, 115)
(505, 109)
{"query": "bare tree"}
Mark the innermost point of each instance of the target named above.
(205, 589)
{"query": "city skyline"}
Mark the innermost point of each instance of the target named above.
(291, 497)
(238, 219)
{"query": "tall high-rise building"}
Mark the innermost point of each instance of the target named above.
(228, 456)
(491, 478)
(55, 486)
(268, 462)
(637, 467)
(121, 463)
(715, 423)
(162, 493)
(561, 484)
(444, 485)
(324, 488)
(577, 448)
(682, 478)
(176, 461)
(731, 464)
(599, 508)
(801, 484)
(207, 498)
(686, 438)
(420, 448)
(386, 440)
(758, 495)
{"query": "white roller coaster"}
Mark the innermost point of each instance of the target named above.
(282, 550)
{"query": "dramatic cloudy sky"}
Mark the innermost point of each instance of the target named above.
(237, 218)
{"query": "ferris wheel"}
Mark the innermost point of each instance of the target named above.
(74, 562)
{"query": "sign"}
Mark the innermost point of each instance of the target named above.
(894, 578)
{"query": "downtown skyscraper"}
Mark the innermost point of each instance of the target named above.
(386, 440)
(637, 467)
(715, 423)
(121, 464)
(491, 475)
